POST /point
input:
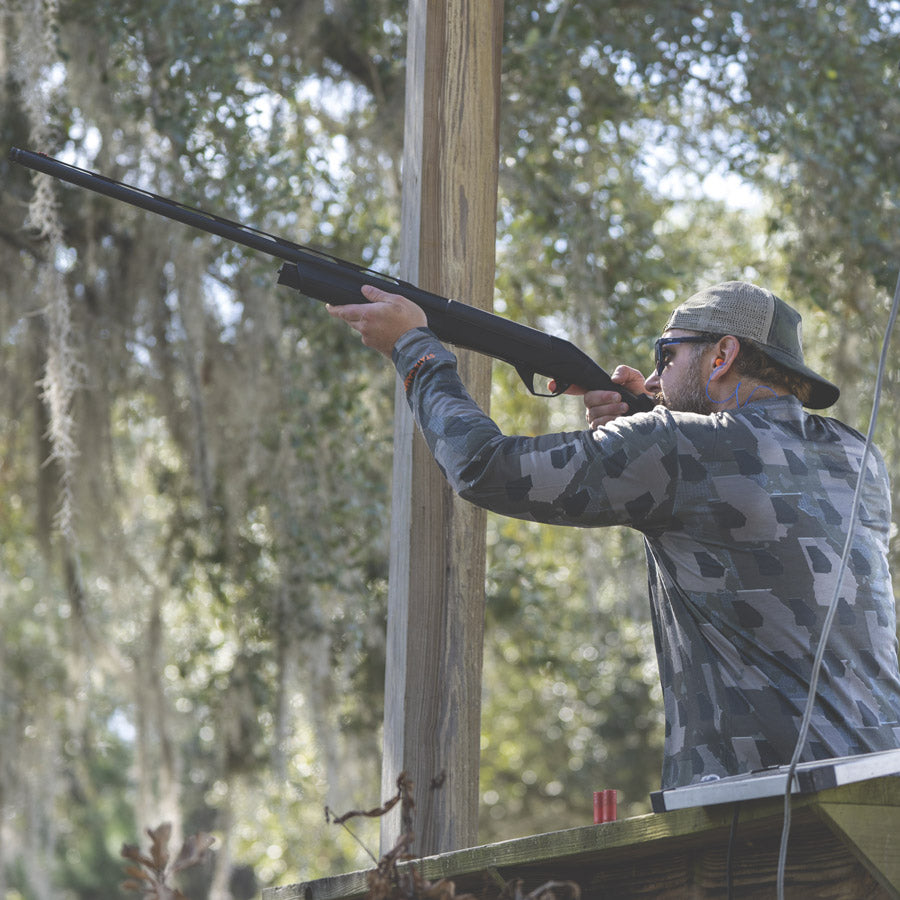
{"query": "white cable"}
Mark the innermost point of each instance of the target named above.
(832, 609)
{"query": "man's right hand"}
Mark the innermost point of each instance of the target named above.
(601, 407)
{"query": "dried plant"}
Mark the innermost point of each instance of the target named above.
(388, 881)
(550, 890)
(37, 52)
(150, 875)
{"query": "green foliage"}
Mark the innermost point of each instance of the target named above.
(571, 690)
(206, 646)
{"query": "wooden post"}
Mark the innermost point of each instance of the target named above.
(432, 720)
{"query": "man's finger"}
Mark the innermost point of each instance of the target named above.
(574, 390)
(349, 312)
(374, 294)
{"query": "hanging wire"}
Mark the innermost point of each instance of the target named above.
(832, 609)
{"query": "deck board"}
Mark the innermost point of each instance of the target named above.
(843, 845)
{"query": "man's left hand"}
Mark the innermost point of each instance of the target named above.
(381, 321)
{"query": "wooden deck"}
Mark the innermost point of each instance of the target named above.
(844, 843)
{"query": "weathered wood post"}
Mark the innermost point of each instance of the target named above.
(436, 598)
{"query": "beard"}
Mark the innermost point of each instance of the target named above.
(691, 395)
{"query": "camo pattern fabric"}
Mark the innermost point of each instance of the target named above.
(745, 516)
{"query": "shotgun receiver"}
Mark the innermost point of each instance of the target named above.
(331, 280)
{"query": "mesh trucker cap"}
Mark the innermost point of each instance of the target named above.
(748, 311)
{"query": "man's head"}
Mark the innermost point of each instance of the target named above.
(768, 349)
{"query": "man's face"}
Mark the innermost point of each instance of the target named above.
(681, 385)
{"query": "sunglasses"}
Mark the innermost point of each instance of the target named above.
(661, 355)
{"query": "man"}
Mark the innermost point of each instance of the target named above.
(743, 499)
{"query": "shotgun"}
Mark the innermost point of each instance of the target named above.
(332, 280)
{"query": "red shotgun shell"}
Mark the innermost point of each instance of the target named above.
(604, 806)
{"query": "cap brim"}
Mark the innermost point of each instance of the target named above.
(823, 395)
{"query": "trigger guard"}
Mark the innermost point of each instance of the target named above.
(527, 376)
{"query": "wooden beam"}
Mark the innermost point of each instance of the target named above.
(872, 832)
(686, 853)
(432, 717)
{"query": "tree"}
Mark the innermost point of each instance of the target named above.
(195, 463)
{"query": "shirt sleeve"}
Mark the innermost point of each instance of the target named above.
(617, 475)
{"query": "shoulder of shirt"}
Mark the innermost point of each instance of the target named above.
(777, 411)
(657, 425)
(695, 425)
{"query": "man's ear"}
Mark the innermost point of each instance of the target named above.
(726, 353)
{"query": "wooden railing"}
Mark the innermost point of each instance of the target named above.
(844, 843)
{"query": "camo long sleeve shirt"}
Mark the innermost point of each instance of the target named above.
(744, 515)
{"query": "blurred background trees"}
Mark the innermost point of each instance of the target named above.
(195, 463)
